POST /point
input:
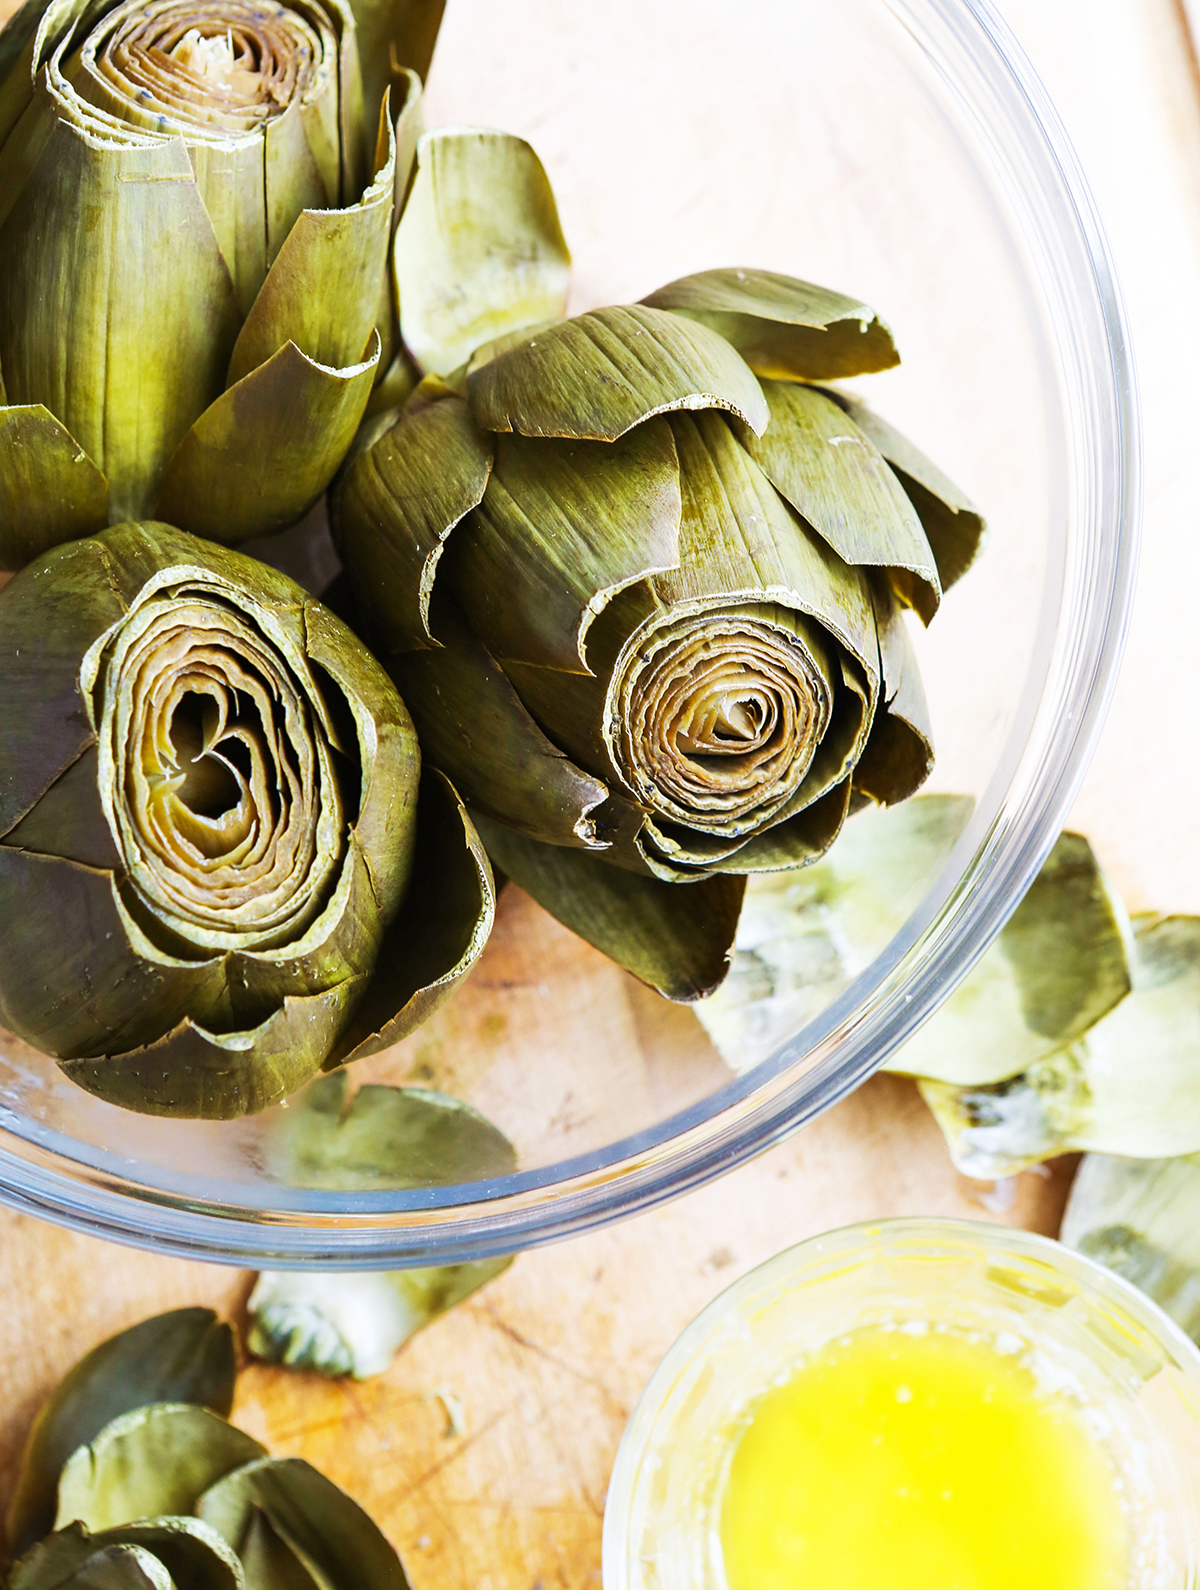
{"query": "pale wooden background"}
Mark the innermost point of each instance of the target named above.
(548, 1362)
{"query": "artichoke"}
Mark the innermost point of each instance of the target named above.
(196, 208)
(214, 866)
(641, 581)
(347, 1323)
(166, 1492)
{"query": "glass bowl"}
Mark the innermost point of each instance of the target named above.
(1082, 1330)
(900, 150)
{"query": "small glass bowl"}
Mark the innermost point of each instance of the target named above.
(1134, 1373)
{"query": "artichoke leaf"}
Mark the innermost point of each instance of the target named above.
(394, 35)
(1138, 1217)
(599, 374)
(322, 290)
(1060, 965)
(259, 457)
(1129, 1086)
(476, 729)
(953, 525)
(797, 840)
(120, 1568)
(898, 756)
(186, 1355)
(329, 1533)
(193, 1556)
(564, 526)
(394, 508)
(424, 955)
(353, 1323)
(837, 480)
(803, 937)
(69, 821)
(268, 1562)
(149, 1463)
(217, 1076)
(16, 61)
(676, 940)
(782, 327)
(50, 490)
(479, 250)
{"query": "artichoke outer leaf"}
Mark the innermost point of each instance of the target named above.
(192, 1554)
(259, 457)
(898, 755)
(151, 1462)
(268, 1562)
(596, 376)
(186, 1355)
(78, 303)
(479, 249)
(676, 940)
(476, 729)
(438, 934)
(394, 508)
(322, 290)
(797, 840)
(837, 480)
(120, 1568)
(353, 1323)
(16, 62)
(50, 490)
(69, 820)
(394, 35)
(198, 1074)
(328, 1531)
(782, 327)
(384, 1138)
(563, 526)
(953, 525)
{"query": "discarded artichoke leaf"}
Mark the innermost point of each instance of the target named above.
(782, 327)
(191, 1554)
(1061, 963)
(186, 1356)
(479, 250)
(339, 1323)
(151, 1462)
(1129, 1086)
(1138, 1217)
(953, 525)
(328, 1532)
(803, 937)
(50, 490)
(598, 375)
(676, 940)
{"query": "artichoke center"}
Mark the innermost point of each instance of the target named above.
(209, 786)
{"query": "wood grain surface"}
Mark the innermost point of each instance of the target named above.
(549, 1360)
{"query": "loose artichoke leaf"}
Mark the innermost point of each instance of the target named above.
(563, 526)
(599, 374)
(259, 457)
(1138, 1217)
(50, 490)
(69, 820)
(476, 729)
(438, 934)
(803, 937)
(838, 482)
(328, 1530)
(394, 508)
(198, 1074)
(898, 755)
(353, 1324)
(479, 249)
(191, 1553)
(79, 303)
(1060, 965)
(1128, 1087)
(783, 327)
(384, 1138)
(186, 1355)
(72, 959)
(676, 940)
(953, 525)
(148, 1463)
(322, 291)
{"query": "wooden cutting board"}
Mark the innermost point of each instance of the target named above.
(547, 1362)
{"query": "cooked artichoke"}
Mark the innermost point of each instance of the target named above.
(196, 210)
(347, 1323)
(208, 817)
(642, 586)
(168, 1493)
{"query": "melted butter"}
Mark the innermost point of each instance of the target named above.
(920, 1462)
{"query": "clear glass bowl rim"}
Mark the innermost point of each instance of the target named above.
(1014, 828)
